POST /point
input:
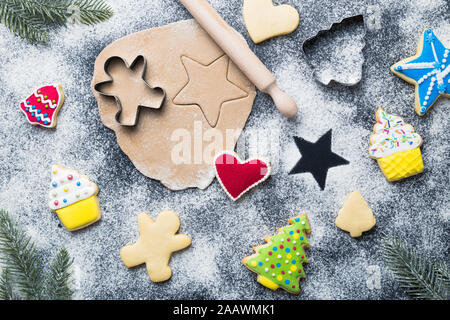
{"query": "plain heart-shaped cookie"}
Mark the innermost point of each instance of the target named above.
(264, 20)
(237, 176)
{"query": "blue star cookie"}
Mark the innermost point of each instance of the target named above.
(428, 70)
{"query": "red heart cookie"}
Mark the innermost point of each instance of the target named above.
(237, 176)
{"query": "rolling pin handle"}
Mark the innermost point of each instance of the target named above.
(285, 104)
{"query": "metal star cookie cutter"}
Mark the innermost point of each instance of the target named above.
(138, 59)
(309, 42)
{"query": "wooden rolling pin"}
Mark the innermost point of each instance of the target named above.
(231, 42)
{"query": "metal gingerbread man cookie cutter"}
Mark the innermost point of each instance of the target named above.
(139, 58)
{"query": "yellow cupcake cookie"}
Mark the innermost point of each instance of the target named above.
(396, 147)
(74, 198)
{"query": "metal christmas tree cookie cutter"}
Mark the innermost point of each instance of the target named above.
(309, 42)
(136, 61)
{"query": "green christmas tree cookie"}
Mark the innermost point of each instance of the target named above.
(279, 263)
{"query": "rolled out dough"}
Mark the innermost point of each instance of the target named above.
(154, 144)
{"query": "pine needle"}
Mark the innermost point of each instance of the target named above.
(59, 278)
(443, 273)
(6, 288)
(419, 278)
(19, 256)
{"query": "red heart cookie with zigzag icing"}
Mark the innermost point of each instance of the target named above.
(237, 176)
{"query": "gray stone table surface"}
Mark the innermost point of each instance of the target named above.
(340, 267)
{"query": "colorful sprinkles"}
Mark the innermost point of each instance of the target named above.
(391, 135)
(68, 187)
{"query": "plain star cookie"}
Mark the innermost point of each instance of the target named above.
(200, 78)
(428, 70)
(263, 20)
(279, 263)
(156, 243)
(355, 216)
(74, 198)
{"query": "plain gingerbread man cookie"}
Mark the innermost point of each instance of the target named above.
(157, 241)
(355, 216)
(263, 20)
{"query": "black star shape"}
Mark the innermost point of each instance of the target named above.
(317, 158)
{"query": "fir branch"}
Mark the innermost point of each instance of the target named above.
(31, 19)
(48, 11)
(20, 258)
(60, 11)
(92, 11)
(418, 278)
(59, 277)
(21, 24)
(443, 273)
(6, 289)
